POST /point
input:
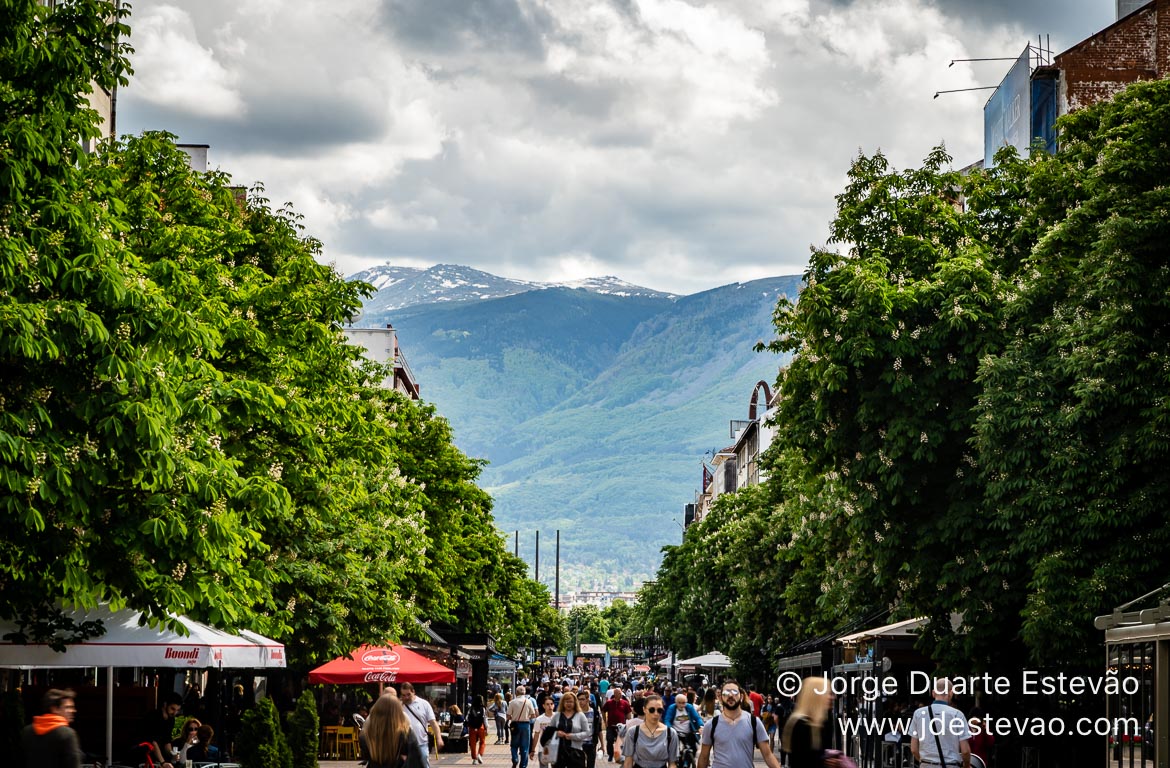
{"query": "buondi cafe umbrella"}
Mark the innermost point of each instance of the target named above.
(391, 664)
(129, 643)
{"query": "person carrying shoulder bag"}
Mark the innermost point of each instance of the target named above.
(571, 729)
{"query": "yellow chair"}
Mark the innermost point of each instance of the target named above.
(347, 743)
(329, 739)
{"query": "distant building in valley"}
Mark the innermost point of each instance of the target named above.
(600, 598)
(381, 346)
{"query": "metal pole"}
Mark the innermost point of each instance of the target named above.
(537, 579)
(557, 598)
(516, 550)
(109, 715)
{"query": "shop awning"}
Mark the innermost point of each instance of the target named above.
(906, 628)
(498, 663)
(129, 642)
(712, 660)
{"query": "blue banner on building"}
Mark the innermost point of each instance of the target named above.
(1007, 116)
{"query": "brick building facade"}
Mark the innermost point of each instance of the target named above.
(1135, 47)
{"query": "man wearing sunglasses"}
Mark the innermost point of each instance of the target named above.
(730, 738)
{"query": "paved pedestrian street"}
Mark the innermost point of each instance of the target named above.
(496, 756)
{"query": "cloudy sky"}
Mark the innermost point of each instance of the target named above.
(677, 144)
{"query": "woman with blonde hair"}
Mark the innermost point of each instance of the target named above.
(187, 738)
(572, 730)
(805, 726)
(387, 740)
(499, 712)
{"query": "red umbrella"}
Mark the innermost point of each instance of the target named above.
(393, 664)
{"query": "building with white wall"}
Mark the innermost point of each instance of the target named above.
(381, 346)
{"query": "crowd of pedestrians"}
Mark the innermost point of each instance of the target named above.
(570, 721)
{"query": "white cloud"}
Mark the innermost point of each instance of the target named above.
(175, 72)
(674, 143)
(575, 266)
(392, 218)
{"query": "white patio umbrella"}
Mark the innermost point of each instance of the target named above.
(712, 660)
(127, 643)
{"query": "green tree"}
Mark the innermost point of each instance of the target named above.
(586, 625)
(304, 727)
(311, 441)
(688, 609)
(617, 616)
(1072, 424)
(974, 418)
(876, 409)
(530, 620)
(107, 469)
(182, 427)
(260, 742)
(385, 520)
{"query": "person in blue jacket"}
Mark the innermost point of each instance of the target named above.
(687, 727)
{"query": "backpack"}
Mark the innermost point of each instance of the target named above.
(751, 732)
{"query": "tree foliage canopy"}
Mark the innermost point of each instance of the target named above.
(974, 420)
(183, 428)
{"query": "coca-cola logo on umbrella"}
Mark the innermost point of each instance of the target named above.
(381, 657)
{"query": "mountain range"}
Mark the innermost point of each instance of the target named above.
(400, 287)
(593, 403)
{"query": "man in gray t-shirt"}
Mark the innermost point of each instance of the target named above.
(730, 738)
(940, 725)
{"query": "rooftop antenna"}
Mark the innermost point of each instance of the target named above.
(960, 90)
(996, 58)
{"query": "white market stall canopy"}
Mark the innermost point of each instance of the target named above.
(712, 660)
(907, 628)
(129, 643)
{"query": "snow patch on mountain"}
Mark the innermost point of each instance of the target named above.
(399, 287)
